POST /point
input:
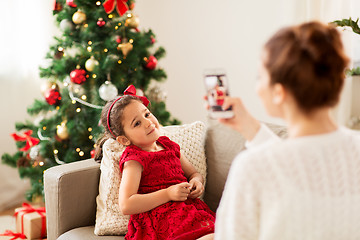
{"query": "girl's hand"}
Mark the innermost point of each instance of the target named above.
(242, 121)
(196, 188)
(179, 192)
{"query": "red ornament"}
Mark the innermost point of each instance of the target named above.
(78, 76)
(71, 3)
(118, 39)
(151, 63)
(100, 22)
(152, 39)
(92, 153)
(52, 96)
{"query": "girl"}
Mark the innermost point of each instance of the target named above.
(159, 186)
(307, 186)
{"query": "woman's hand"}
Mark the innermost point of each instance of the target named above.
(196, 188)
(242, 121)
(179, 192)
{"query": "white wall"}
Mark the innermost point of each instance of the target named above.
(206, 34)
(196, 34)
(228, 34)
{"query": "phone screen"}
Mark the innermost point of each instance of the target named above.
(216, 90)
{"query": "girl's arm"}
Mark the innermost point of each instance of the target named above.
(132, 203)
(195, 179)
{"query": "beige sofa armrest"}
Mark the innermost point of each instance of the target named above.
(70, 196)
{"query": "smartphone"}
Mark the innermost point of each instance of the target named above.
(217, 88)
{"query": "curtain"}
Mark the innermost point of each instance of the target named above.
(328, 11)
(27, 28)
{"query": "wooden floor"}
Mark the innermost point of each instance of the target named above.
(7, 221)
(10, 220)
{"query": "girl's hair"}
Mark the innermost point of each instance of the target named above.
(115, 121)
(309, 61)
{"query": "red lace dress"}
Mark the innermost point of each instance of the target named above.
(186, 220)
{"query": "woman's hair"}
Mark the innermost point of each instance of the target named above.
(309, 61)
(115, 121)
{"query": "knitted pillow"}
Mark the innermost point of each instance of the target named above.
(109, 219)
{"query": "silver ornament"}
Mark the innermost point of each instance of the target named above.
(34, 152)
(76, 89)
(66, 25)
(156, 94)
(108, 91)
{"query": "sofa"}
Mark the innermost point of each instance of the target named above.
(71, 189)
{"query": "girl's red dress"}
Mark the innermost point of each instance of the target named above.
(188, 219)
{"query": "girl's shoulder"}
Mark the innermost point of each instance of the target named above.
(132, 152)
(167, 143)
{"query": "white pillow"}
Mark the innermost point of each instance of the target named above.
(109, 219)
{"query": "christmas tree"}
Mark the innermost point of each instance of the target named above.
(100, 52)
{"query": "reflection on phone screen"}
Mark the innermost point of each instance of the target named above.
(216, 87)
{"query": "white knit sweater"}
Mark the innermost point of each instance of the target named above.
(305, 188)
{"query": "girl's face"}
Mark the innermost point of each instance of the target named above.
(140, 126)
(266, 91)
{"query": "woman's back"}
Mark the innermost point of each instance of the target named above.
(302, 188)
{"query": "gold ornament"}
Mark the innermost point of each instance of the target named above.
(79, 17)
(132, 21)
(91, 63)
(36, 199)
(62, 131)
(125, 48)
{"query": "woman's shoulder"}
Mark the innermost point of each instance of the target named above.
(350, 132)
(271, 154)
(287, 150)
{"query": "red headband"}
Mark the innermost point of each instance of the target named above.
(130, 90)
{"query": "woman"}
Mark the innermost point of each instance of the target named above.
(307, 186)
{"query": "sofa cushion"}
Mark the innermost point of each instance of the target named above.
(109, 219)
(222, 144)
(87, 233)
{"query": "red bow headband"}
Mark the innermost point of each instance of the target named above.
(130, 90)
